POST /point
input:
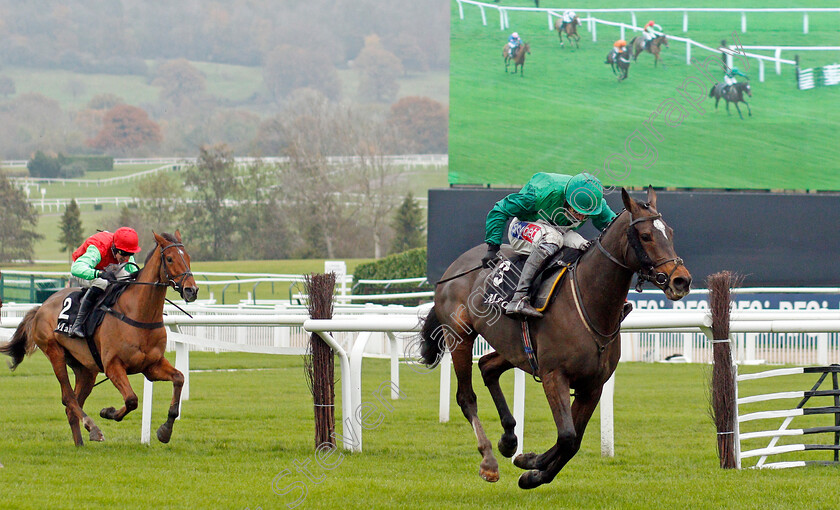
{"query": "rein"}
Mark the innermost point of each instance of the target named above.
(170, 281)
(647, 272)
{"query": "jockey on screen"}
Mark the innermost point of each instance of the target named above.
(513, 42)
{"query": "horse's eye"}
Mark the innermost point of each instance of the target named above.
(645, 237)
(169, 259)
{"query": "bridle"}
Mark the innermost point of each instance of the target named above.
(648, 270)
(176, 281)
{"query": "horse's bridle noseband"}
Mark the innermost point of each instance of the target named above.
(171, 280)
(647, 272)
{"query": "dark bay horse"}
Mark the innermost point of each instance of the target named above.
(518, 59)
(570, 29)
(620, 61)
(575, 343)
(124, 348)
(734, 94)
(655, 47)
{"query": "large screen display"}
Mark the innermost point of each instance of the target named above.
(566, 111)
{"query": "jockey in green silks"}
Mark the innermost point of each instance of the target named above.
(546, 213)
(729, 79)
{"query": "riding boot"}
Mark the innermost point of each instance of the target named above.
(520, 302)
(91, 296)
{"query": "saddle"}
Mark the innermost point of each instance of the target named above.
(501, 284)
(70, 308)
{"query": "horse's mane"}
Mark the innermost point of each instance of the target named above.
(165, 235)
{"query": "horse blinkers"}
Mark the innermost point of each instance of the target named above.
(648, 271)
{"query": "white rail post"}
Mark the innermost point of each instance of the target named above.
(778, 55)
(743, 22)
(445, 376)
(594, 32)
(550, 20)
(805, 23)
(182, 363)
(622, 31)
(822, 349)
(501, 18)
(749, 348)
(688, 347)
(519, 409)
(395, 365)
(607, 422)
(688, 52)
(483, 15)
(633, 18)
(685, 21)
(146, 419)
(461, 9)
(761, 69)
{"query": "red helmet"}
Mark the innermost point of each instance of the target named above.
(125, 239)
(650, 23)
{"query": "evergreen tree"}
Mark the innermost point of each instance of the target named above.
(19, 219)
(408, 226)
(71, 228)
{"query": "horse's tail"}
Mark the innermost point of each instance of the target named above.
(712, 91)
(21, 343)
(433, 340)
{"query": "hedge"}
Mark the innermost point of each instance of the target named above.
(90, 163)
(408, 264)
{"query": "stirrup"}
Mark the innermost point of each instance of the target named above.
(625, 310)
(522, 307)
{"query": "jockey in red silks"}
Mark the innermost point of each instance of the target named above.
(91, 258)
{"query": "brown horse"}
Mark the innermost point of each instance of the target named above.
(734, 94)
(134, 346)
(570, 29)
(620, 61)
(655, 47)
(518, 59)
(575, 342)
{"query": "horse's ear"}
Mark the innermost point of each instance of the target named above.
(651, 196)
(629, 204)
(178, 235)
(158, 239)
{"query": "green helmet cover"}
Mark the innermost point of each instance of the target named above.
(584, 193)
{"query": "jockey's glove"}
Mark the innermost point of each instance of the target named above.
(492, 250)
(108, 276)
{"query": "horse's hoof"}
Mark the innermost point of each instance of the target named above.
(525, 460)
(164, 434)
(507, 445)
(108, 413)
(530, 479)
(489, 475)
(96, 435)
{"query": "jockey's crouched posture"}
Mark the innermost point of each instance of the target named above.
(91, 258)
(546, 212)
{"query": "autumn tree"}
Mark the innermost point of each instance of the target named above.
(422, 125)
(126, 127)
(72, 234)
(17, 230)
(289, 67)
(379, 70)
(179, 81)
(408, 225)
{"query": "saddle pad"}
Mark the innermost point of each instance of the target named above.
(501, 284)
(70, 308)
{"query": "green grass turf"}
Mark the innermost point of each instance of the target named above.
(569, 114)
(240, 430)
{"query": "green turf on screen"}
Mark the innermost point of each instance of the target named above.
(568, 113)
